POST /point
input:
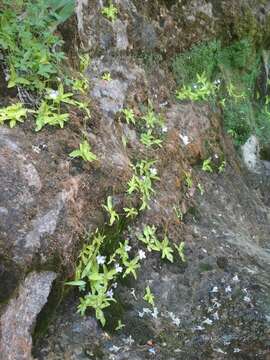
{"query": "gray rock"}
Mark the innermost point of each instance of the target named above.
(18, 319)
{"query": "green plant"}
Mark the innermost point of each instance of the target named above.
(222, 166)
(110, 12)
(120, 325)
(149, 297)
(149, 140)
(131, 212)
(13, 113)
(148, 237)
(201, 189)
(142, 181)
(129, 115)
(188, 179)
(84, 152)
(109, 208)
(151, 119)
(178, 212)
(207, 166)
(47, 115)
(32, 48)
(165, 249)
(201, 90)
(107, 76)
(180, 249)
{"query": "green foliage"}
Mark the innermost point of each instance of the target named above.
(149, 297)
(230, 73)
(129, 115)
(32, 49)
(131, 212)
(201, 189)
(142, 181)
(201, 90)
(188, 180)
(84, 152)
(151, 119)
(200, 59)
(180, 249)
(178, 212)
(149, 140)
(109, 208)
(207, 167)
(110, 12)
(222, 166)
(13, 113)
(106, 76)
(149, 238)
(47, 115)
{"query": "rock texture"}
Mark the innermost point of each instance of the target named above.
(18, 318)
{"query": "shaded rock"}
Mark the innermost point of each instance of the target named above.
(19, 316)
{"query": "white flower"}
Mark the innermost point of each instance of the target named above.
(118, 268)
(236, 350)
(127, 248)
(152, 351)
(164, 129)
(235, 278)
(185, 139)
(214, 290)
(114, 348)
(228, 289)
(216, 316)
(247, 299)
(101, 259)
(53, 94)
(110, 293)
(114, 285)
(208, 321)
(153, 171)
(141, 254)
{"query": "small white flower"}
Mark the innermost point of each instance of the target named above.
(101, 259)
(127, 248)
(235, 278)
(228, 289)
(110, 293)
(164, 129)
(153, 171)
(114, 348)
(152, 351)
(216, 316)
(214, 290)
(118, 268)
(208, 321)
(114, 285)
(247, 299)
(53, 94)
(236, 350)
(185, 139)
(141, 254)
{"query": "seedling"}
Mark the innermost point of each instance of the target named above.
(110, 12)
(180, 249)
(149, 297)
(131, 212)
(201, 189)
(178, 212)
(129, 115)
(149, 140)
(207, 167)
(222, 166)
(109, 208)
(84, 152)
(120, 325)
(107, 76)
(188, 179)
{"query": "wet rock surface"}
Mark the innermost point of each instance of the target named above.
(213, 306)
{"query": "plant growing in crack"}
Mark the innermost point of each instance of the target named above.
(112, 213)
(110, 12)
(84, 152)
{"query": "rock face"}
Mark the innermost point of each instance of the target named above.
(213, 306)
(18, 319)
